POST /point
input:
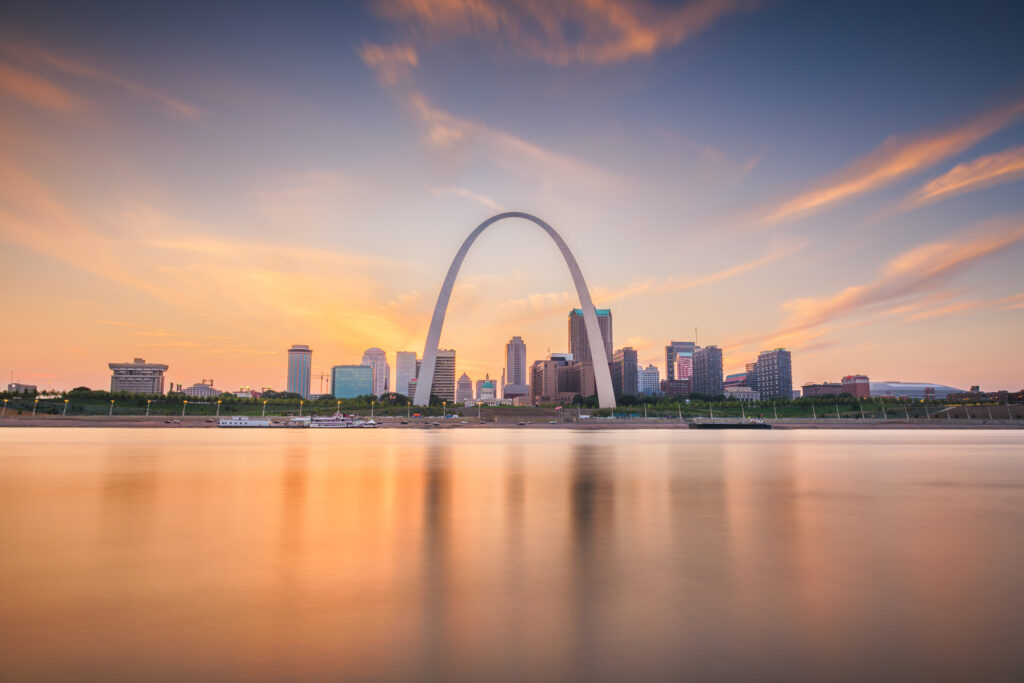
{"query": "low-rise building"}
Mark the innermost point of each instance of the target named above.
(741, 393)
(812, 390)
(858, 386)
(137, 377)
(675, 387)
(203, 389)
(18, 388)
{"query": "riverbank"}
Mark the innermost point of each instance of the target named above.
(203, 422)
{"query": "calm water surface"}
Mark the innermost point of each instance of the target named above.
(484, 555)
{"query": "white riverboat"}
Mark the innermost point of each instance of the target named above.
(243, 421)
(336, 421)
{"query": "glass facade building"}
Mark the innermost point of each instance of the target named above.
(350, 381)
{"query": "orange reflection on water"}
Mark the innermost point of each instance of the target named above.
(509, 555)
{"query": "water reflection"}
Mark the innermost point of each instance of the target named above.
(481, 555)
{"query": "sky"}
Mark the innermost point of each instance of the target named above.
(206, 184)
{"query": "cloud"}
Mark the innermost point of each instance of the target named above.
(392, 63)
(77, 69)
(993, 169)
(1005, 303)
(36, 90)
(915, 272)
(896, 158)
(566, 32)
(467, 194)
(446, 131)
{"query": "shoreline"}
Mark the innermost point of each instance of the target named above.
(203, 422)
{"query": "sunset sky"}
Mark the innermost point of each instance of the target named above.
(205, 184)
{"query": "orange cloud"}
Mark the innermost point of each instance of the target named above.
(36, 90)
(391, 62)
(993, 169)
(896, 158)
(912, 273)
(567, 32)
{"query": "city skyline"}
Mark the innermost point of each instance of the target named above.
(202, 201)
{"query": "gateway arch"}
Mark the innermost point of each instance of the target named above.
(602, 375)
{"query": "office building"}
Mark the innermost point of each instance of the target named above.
(811, 390)
(648, 380)
(351, 381)
(624, 372)
(378, 360)
(515, 361)
(675, 387)
(137, 377)
(707, 371)
(737, 379)
(579, 345)
(444, 376)
(751, 380)
(672, 352)
(18, 388)
(300, 369)
(858, 386)
(550, 379)
(580, 379)
(463, 389)
(774, 372)
(406, 367)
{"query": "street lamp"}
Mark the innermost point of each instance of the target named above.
(65, 413)
(444, 409)
(111, 413)
(34, 407)
(183, 406)
(407, 409)
(5, 408)
(148, 401)
(337, 410)
(264, 407)
(218, 408)
(300, 408)
(371, 409)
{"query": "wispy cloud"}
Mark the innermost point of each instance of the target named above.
(896, 158)
(45, 93)
(916, 272)
(993, 169)
(468, 194)
(445, 130)
(392, 63)
(1005, 303)
(566, 32)
(36, 90)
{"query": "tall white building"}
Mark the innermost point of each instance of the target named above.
(405, 371)
(137, 377)
(378, 360)
(648, 380)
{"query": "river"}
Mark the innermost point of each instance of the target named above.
(510, 555)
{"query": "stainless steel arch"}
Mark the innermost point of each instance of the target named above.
(602, 375)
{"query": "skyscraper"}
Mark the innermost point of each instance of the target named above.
(464, 389)
(378, 360)
(648, 380)
(672, 352)
(707, 371)
(579, 345)
(300, 368)
(444, 375)
(775, 374)
(624, 372)
(514, 382)
(405, 371)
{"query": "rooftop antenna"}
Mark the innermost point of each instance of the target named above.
(694, 335)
